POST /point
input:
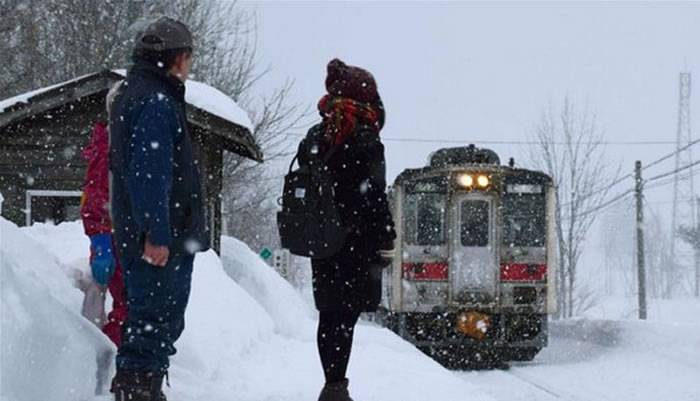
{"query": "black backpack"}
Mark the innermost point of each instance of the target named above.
(309, 223)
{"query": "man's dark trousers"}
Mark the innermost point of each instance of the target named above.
(157, 298)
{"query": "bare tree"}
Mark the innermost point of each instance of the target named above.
(691, 235)
(226, 35)
(617, 242)
(251, 192)
(657, 254)
(570, 149)
(50, 41)
(53, 41)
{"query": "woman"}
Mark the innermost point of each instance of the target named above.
(349, 282)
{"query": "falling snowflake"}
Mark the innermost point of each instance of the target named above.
(193, 246)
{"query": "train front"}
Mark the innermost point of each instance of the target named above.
(476, 243)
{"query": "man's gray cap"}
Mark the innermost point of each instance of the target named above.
(164, 33)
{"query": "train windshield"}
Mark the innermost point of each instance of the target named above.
(474, 227)
(425, 218)
(524, 220)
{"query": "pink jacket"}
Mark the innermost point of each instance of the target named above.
(94, 203)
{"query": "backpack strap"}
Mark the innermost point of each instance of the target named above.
(291, 165)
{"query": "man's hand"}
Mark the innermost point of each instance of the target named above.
(156, 255)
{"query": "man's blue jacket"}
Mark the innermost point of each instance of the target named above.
(155, 180)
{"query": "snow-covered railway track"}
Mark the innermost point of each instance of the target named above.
(515, 385)
(557, 393)
(537, 385)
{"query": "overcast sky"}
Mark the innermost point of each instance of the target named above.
(478, 71)
(474, 71)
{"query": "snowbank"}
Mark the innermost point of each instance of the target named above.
(249, 334)
(686, 310)
(47, 350)
(280, 300)
(251, 337)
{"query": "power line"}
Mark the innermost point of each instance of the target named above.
(622, 195)
(666, 202)
(630, 175)
(606, 204)
(668, 156)
(687, 166)
(504, 142)
(596, 191)
(667, 182)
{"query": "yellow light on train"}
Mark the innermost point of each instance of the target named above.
(474, 324)
(482, 181)
(465, 180)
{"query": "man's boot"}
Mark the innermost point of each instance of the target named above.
(337, 391)
(130, 385)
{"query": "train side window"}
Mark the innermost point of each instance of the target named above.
(474, 227)
(425, 219)
(524, 223)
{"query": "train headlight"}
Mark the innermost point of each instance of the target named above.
(465, 180)
(474, 324)
(483, 181)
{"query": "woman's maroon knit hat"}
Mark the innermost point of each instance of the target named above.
(353, 82)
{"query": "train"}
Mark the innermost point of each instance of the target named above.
(473, 280)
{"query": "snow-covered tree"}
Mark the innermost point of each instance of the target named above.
(569, 147)
(45, 42)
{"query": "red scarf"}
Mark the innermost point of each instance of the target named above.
(341, 115)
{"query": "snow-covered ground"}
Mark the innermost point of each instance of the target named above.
(610, 357)
(249, 336)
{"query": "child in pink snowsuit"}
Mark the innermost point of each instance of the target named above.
(104, 263)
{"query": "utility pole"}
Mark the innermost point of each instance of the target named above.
(641, 273)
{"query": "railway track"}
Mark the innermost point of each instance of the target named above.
(520, 386)
(539, 386)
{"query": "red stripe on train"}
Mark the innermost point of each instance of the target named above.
(432, 271)
(523, 272)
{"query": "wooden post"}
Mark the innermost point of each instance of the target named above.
(641, 274)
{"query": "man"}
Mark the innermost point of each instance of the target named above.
(157, 207)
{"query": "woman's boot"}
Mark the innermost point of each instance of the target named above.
(337, 391)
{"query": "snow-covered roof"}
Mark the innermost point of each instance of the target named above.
(24, 97)
(213, 101)
(207, 108)
(197, 93)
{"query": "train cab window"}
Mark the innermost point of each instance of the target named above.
(524, 222)
(474, 223)
(425, 218)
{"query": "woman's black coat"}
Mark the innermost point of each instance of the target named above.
(352, 279)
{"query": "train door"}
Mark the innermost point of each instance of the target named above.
(473, 255)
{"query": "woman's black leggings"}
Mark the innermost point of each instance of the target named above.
(335, 332)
